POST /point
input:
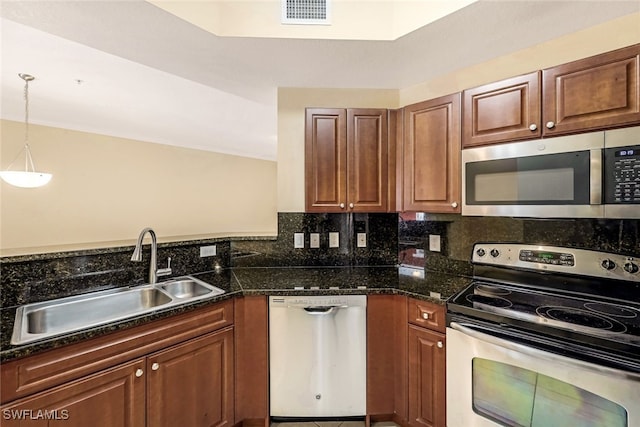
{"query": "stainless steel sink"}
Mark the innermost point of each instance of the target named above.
(189, 288)
(50, 318)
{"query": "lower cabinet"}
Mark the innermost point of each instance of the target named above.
(112, 398)
(192, 384)
(427, 397)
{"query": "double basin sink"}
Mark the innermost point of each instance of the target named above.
(42, 320)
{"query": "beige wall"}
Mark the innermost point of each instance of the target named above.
(105, 190)
(291, 102)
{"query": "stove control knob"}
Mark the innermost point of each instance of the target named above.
(631, 267)
(494, 253)
(481, 252)
(607, 264)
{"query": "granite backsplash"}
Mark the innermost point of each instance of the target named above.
(392, 239)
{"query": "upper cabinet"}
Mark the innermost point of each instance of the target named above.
(599, 92)
(346, 160)
(593, 93)
(508, 110)
(431, 155)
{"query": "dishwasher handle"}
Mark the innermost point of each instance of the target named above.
(320, 310)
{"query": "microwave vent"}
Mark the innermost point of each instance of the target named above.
(306, 12)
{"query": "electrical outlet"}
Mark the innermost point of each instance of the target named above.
(334, 239)
(361, 240)
(421, 216)
(206, 251)
(434, 242)
(314, 240)
(298, 240)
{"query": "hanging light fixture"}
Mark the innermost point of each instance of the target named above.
(28, 178)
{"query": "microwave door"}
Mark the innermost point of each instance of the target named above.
(562, 184)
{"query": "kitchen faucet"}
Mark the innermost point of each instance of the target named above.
(137, 254)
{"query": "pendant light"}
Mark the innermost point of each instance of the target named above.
(28, 178)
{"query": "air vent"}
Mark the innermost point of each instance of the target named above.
(306, 12)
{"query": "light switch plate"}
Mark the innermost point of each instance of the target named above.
(421, 216)
(362, 240)
(434, 242)
(298, 240)
(206, 251)
(334, 239)
(314, 240)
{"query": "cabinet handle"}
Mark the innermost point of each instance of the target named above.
(351, 205)
(533, 127)
(454, 205)
(139, 372)
(155, 367)
(341, 205)
(440, 345)
(425, 316)
(550, 125)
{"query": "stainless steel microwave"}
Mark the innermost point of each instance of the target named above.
(591, 175)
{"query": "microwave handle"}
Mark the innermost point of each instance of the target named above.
(595, 174)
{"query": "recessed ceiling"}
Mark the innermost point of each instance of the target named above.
(149, 75)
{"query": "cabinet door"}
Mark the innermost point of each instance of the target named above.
(427, 369)
(325, 160)
(432, 155)
(191, 384)
(367, 160)
(597, 92)
(508, 110)
(112, 398)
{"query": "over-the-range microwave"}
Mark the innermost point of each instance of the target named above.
(590, 175)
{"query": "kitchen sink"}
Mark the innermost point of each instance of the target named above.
(60, 316)
(189, 288)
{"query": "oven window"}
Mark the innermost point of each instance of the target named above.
(513, 396)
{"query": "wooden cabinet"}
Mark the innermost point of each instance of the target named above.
(192, 384)
(508, 110)
(431, 159)
(112, 398)
(593, 93)
(176, 371)
(346, 160)
(426, 364)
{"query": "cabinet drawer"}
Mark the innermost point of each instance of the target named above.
(426, 314)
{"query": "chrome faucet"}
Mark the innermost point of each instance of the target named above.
(153, 263)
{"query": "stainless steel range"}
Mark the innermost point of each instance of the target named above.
(545, 336)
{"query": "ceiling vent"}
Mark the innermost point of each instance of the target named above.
(306, 12)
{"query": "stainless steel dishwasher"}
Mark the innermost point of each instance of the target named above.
(317, 356)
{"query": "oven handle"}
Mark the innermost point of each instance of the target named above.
(539, 354)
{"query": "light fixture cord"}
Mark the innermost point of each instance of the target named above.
(28, 161)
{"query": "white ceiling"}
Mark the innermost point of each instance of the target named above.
(147, 75)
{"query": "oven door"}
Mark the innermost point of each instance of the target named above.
(496, 382)
(559, 177)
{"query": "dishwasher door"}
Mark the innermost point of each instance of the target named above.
(318, 356)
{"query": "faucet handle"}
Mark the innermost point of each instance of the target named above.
(165, 271)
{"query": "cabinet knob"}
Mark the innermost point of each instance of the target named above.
(351, 205)
(139, 372)
(440, 345)
(550, 125)
(533, 127)
(454, 205)
(341, 205)
(425, 316)
(155, 366)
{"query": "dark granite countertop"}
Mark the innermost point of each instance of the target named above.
(435, 287)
